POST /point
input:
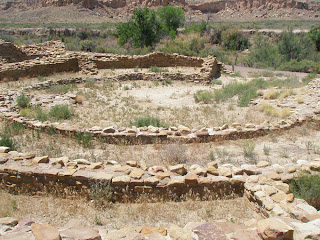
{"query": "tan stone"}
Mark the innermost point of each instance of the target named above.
(22, 156)
(262, 164)
(121, 180)
(4, 149)
(270, 190)
(163, 175)
(82, 161)
(290, 197)
(67, 172)
(274, 229)
(291, 169)
(151, 181)
(283, 187)
(176, 182)
(212, 170)
(278, 197)
(97, 165)
(8, 221)
(315, 166)
(191, 179)
(212, 164)
(147, 231)
(225, 171)
(132, 163)
(179, 169)
(136, 173)
(45, 231)
(177, 233)
(274, 176)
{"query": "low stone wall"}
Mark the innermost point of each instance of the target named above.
(264, 185)
(51, 58)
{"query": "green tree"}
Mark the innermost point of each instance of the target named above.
(142, 30)
(171, 19)
(233, 39)
(314, 34)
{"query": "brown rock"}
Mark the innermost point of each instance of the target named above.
(283, 187)
(179, 169)
(4, 149)
(163, 175)
(8, 221)
(97, 165)
(278, 197)
(80, 230)
(274, 229)
(191, 179)
(212, 170)
(209, 231)
(132, 163)
(212, 164)
(147, 231)
(136, 173)
(262, 164)
(225, 171)
(290, 197)
(45, 231)
(121, 180)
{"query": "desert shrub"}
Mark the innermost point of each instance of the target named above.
(233, 39)
(248, 147)
(171, 18)
(142, 30)
(84, 138)
(23, 101)
(301, 66)
(196, 28)
(274, 112)
(88, 46)
(7, 141)
(271, 93)
(314, 34)
(147, 121)
(100, 192)
(246, 97)
(266, 150)
(60, 112)
(204, 96)
(307, 187)
(90, 83)
(174, 153)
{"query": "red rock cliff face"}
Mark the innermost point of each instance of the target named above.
(216, 6)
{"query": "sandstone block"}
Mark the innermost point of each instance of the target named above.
(179, 169)
(274, 228)
(45, 231)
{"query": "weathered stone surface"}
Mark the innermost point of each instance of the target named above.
(123, 234)
(163, 175)
(263, 164)
(132, 163)
(212, 170)
(315, 166)
(278, 197)
(191, 179)
(270, 190)
(283, 187)
(225, 171)
(45, 231)
(80, 230)
(306, 231)
(8, 221)
(82, 161)
(18, 236)
(121, 180)
(4, 149)
(209, 231)
(147, 231)
(176, 182)
(136, 173)
(177, 233)
(212, 164)
(274, 228)
(151, 181)
(110, 129)
(96, 165)
(179, 169)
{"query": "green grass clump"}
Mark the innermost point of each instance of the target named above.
(147, 121)
(204, 96)
(60, 112)
(59, 89)
(23, 101)
(84, 138)
(248, 147)
(307, 187)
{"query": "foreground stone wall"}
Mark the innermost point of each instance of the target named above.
(264, 185)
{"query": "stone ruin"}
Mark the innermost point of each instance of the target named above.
(265, 186)
(51, 57)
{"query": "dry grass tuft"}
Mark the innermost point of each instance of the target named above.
(274, 112)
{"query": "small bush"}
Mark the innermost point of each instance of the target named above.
(40, 114)
(246, 97)
(84, 138)
(7, 141)
(248, 148)
(274, 112)
(147, 121)
(100, 192)
(233, 39)
(23, 101)
(60, 112)
(174, 153)
(307, 187)
(271, 94)
(266, 150)
(204, 96)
